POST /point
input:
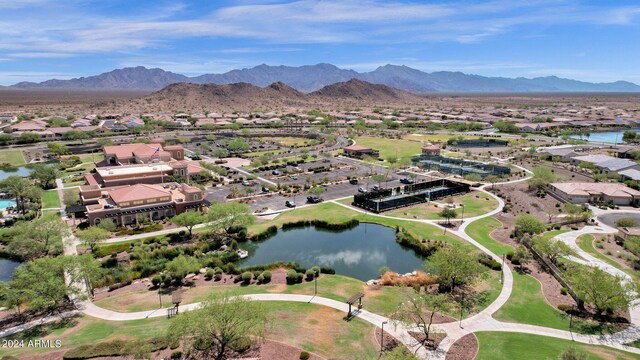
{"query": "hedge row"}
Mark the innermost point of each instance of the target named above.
(424, 248)
(321, 224)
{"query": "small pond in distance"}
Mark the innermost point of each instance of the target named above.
(358, 252)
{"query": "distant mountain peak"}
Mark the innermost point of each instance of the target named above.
(310, 78)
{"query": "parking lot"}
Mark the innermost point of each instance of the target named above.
(335, 182)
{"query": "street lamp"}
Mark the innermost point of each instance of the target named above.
(502, 272)
(382, 337)
(462, 205)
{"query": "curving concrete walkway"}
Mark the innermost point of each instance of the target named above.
(482, 321)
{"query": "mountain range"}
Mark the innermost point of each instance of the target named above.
(311, 78)
(244, 96)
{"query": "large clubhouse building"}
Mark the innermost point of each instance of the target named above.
(136, 181)
(125, 205)
(142, 153)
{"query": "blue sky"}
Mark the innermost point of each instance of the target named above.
(585, 40)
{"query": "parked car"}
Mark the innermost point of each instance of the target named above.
(406, 181)
(362, 190)
(265, 189)
(376, 187)
(290, 204)
(294, 177)
(246, 183)
(275, 172)
(313, 199)
(353, 181)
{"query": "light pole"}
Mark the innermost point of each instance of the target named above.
(160, 298)
(382, 337)
(461, 309)
(502, 272)
(462, 205)
(316, 285)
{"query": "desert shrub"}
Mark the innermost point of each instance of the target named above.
(209, 274)
(563, 291)
(260, 278)
(420, 279)
(316, 270)
(157, 280)
(246, 277)
(120, 284)
(269, 232)
(267, 276)
(304, 355)
(176, 355)
(293, 277)
(310, 274)
(489, 262)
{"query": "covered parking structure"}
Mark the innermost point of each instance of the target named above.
(459, 166)
(402, 196)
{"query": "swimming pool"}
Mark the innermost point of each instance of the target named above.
(6, 203)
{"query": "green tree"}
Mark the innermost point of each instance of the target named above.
(492, 179)
(45, 175)
(40, 237)
(238, 145)
(57, 149)
(626, 222)
(40, 283)
(378, 178)
(222, 325)
(92, 236)
(528, 224)
(229, 215)
(317, 190)
(181, 266)
(420, 311)
(629, 136)
(523, 256)
(189, 219)
(77, 135)
(28, 137)
(607, 293)
(448, 214)
(22, 190)
(107, 224)
(454, 267)
(542, 176)
(552, 249)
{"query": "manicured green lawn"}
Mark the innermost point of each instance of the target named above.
(391, 147)
(527, 305)
(13, 157)
(287, 140)
(585, 242)
(475, 203)
(509, 346)
(436, 137)
(311, 327)
(50, 199)
(87, 330)
(480, 230)
(337, 287)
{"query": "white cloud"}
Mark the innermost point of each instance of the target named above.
(41, 55)
(304, 21)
